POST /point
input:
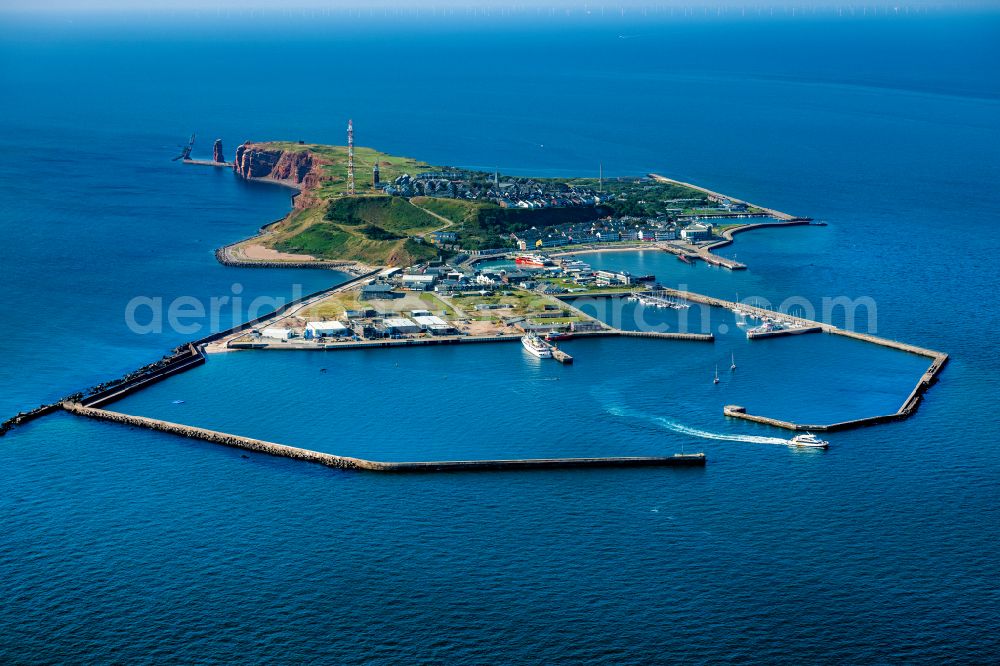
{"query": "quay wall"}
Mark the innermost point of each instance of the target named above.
(454, 340)
(349, 463)
(698, 337)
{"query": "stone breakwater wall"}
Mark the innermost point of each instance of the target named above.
(182, 358)
(348, 463)
(185, 359)
(24, 417)
(223, 257)
(225, 439)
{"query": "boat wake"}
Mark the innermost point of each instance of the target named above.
(670, 424)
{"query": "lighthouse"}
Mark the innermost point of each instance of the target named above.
(375, 178)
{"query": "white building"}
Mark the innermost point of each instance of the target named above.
(696, 232)
(277, 333)
(418, 282)
(400, 325)
(434, 325)
(325, 329)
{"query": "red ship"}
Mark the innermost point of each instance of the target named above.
(532, 260)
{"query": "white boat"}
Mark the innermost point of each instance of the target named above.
(733, 357)
(809, 440)
(537, 346)
(716, 381)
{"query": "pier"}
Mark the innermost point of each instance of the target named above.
(909, 406)
(776, 214)
(561, 356)
(705, 253)
(360, 464)
(211, 163)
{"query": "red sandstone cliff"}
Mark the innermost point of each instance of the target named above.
(295, 168)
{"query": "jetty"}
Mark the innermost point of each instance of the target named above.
(770, 212)
(561, 356)
(360, 464)
(909, 406)
(211, 163)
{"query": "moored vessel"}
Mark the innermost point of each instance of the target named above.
(537, 346)
(536, 260)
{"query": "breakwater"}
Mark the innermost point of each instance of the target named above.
(909, 406)
(706, 253)
(182, 358)
(360, 464)
(771, 212)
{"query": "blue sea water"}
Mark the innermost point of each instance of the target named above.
(123, 545)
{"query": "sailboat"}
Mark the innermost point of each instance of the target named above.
(716, 375)
(732, 355)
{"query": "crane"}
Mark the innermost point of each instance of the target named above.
(185, 150)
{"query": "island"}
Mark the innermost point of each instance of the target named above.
(450, 255)
(404, 211)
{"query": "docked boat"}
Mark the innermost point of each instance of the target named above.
(771, 329)
(537, 346)
(555, 336)
(536, 260)
(809, 440)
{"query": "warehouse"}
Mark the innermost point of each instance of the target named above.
(277, 333)
(434, 325)
(325, 329)
(400, 326)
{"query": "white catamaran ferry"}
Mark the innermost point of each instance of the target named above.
(809, 440)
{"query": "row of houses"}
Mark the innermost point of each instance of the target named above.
(481, 186)
(604, 231)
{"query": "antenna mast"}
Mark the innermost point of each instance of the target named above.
(350, 157)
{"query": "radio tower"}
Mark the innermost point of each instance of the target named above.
(350, 158)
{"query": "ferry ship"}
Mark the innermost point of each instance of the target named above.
(537, 346)
(809, 440)
(536, 260)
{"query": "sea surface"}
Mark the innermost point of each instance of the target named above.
(123, 545)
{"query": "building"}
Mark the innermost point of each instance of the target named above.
(377, 291)
(434, 325)
(325, 329)
(400, 326)
(418, 282)
(697, 232)
(277, 333)
(613, 277)
(444, 236)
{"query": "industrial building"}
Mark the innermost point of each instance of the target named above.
(418, 282)
(434, 325)
(277, 333)
(325, 329)
(400, 326)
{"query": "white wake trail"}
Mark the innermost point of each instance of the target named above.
(670, 424)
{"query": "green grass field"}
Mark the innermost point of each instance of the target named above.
(377, 229)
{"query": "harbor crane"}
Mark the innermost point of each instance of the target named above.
(185, 150)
